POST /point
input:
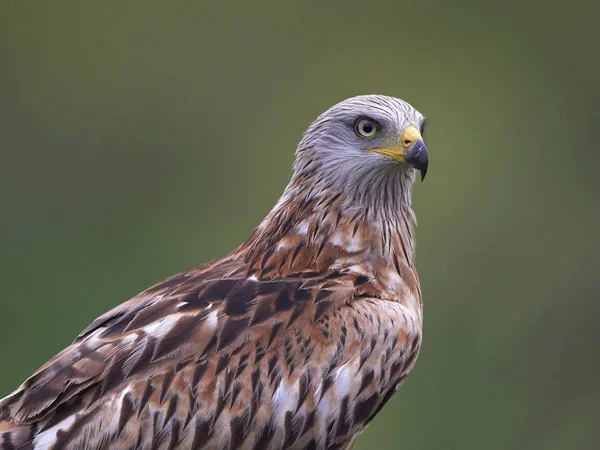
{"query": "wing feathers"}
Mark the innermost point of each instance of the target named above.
(129, 341)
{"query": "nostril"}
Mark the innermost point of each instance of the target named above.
(407, 142)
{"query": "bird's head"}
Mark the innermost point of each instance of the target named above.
(355, 166)
(365, 136)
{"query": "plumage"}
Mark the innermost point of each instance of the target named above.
(296, 339)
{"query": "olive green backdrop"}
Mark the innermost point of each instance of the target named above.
(141, 139)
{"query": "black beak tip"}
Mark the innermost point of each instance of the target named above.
(419, 158)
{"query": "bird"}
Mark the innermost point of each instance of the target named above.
(294, 340)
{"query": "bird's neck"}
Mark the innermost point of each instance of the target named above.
(315, 228)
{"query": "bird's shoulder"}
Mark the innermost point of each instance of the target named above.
(195, 314)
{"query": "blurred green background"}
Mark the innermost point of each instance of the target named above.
(141, 139)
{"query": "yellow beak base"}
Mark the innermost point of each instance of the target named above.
(409, 137)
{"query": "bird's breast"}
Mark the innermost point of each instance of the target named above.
(338, 384)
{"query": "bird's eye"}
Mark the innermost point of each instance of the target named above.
(366, 127)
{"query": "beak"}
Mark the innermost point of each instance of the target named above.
(412, 151)
(417, 157)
